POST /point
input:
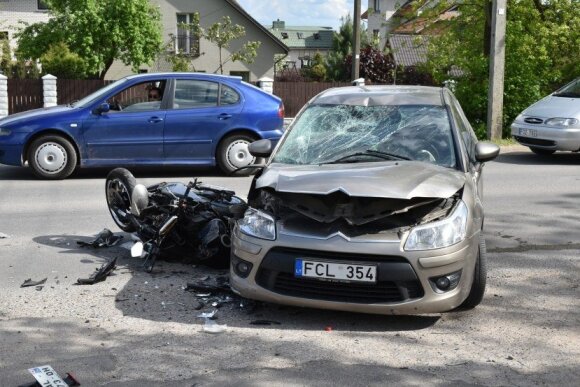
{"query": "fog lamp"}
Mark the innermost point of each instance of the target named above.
(446, 282)
(241, 268)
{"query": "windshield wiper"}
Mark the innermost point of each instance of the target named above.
(369, 152)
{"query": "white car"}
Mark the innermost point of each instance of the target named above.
(551, 124)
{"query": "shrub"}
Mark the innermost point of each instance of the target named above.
(62, 63)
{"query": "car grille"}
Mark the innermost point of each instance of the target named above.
(534, 120)
(534, 141)
(396, 281)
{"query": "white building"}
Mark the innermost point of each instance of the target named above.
(14, 12)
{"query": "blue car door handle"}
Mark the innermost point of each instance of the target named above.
(224, 116)
(155, 120)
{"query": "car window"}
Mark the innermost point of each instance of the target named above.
(465, 132)
(142, 96)
(190, 93)
(325, 133)
(228, 96)
(571, 90)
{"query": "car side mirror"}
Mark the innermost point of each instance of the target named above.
(486, 151)
(261, 148)
(103, 108)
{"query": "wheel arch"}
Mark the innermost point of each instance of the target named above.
(55, 132)
(240, 131)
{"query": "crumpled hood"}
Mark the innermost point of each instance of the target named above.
(35, 114)
(396, 180)
(550, 107)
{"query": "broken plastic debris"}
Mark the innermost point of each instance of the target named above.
(3, 236)
(99, 275)
(210, 326)
(104, 239)
(208, 314)
(30, 282)
(137, 250)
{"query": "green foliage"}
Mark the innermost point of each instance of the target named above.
(316, 70)
(6, 58)
(21, 69)
(180, 62)
(98, 31)
(336, 68)
(62, 63)
(542, 52)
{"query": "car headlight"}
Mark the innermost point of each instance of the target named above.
(443, 233)
(558, 121)
(258, 224)
(519, 118)
(5, 132)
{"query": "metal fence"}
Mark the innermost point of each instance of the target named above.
(296, 94)
(24, 94)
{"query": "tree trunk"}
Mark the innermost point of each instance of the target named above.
(108, 65)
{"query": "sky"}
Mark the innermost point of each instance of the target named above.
(325, 13)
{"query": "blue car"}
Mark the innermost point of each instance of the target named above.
(157, 119)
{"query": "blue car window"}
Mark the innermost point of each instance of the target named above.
(191, 93)
(144, 96)
(228, 96)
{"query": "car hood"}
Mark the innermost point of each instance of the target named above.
(34, 114)
(550, 107)
(396, 180)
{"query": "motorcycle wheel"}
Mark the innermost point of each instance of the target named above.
(119, 187)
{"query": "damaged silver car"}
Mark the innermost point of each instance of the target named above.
(371, 202)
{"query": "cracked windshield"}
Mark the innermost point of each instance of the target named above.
(345, 134)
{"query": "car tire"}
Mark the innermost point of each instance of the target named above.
(479, 279)
(119, 187)
(542, 152)
(52, 157)
(233, 153)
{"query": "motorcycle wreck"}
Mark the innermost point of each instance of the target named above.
(186, 222)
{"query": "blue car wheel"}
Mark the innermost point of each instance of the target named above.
(52, 157)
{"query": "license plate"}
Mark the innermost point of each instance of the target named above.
(528, 132)
(338, 271)
(46, 376)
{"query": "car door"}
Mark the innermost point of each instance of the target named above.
(202, 111)
(131, 132)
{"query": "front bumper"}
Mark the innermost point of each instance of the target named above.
(545, 137)
(403, 278)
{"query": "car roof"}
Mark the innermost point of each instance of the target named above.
(186, 74)
(381, 95)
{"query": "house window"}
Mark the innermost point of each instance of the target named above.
(284, 35)
(42, 5)
(300, 35)
(377, 5)
(316, 36)
(244, 74)
(187, 42)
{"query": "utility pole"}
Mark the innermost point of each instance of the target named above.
(496, 70)
(356, 40)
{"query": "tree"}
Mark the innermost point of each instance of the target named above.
(222, 34)
(62, 63)
(375, 65)
(542, 52)
(336, 69)
(98, 31)
(6, 58)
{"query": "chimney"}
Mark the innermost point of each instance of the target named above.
(278, 24)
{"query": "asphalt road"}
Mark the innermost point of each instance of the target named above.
(139, 329)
